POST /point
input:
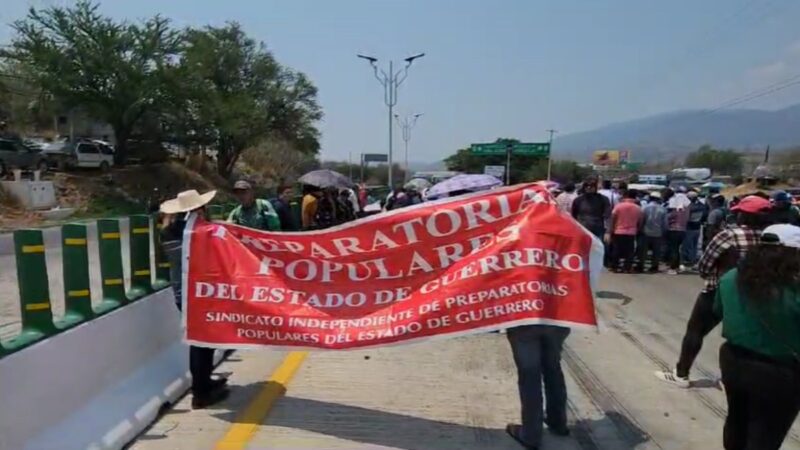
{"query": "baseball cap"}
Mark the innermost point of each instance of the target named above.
(691, 194)
(752, 204)
(242, 185)
(782, 234)
(781, 196)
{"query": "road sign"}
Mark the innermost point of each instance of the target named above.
(495, 171)
(517, 148)
(374, 157)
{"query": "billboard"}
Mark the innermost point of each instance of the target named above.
(610, 157)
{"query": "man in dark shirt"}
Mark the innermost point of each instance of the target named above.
(698, 213)
(284, 209)
(591, 209)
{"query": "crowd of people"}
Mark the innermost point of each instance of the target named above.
(747, 250)
(669, 226)
(748, 253)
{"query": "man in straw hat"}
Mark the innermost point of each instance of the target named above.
(206, 391)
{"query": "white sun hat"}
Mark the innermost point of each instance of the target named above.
(187, 201)
(787, 235)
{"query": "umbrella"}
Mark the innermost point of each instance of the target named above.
(326, 178)
(418, 184)
(472, 183)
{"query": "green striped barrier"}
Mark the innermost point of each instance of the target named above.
(35, 303)
(216, 212)
(141, 280)
(77, 287)
(111, 274)
(161, 263)
(34, 289)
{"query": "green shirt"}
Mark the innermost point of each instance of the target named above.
(261, 216)
(769, 328)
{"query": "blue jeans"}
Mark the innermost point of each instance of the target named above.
(689, 247)
(537, 354)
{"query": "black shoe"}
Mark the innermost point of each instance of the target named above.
(206, 399)
(515, 432)
(218, 383)
(561, 430)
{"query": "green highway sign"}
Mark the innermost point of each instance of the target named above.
(517, 148)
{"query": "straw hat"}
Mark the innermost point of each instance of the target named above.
(187, 201)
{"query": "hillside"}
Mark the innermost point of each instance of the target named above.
(666, 136)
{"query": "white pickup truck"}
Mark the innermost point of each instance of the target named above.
(80, 154)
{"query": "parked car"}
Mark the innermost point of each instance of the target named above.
(80, 154)
(16, 155)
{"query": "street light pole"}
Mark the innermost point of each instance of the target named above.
(550, 153)
(406, 125)
(390, 82)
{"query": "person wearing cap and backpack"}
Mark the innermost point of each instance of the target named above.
(759, 303)
(722, 254)
(253, 212)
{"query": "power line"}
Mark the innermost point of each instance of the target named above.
(776, 87)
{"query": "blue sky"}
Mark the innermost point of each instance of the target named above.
(510, 68)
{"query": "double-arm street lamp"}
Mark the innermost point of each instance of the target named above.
(406, 125)
(390, 82)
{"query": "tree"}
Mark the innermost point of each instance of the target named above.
(278, 160)
(721, 162)
(235, 95)
(114, 70)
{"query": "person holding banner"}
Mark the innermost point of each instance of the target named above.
(206, 391)
(537, 354)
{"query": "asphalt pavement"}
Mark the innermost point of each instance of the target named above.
(460, 393)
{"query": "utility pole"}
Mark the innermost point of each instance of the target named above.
(390, 83)
(550, 153)
(406, 125)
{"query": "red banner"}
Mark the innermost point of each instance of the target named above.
(473, 263)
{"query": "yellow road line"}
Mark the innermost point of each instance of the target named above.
(78, 293)
(247, 423)
(74, 241)
(142, 272)
(33, 249)
(163, 265)
(109, 235)
(113, 282)
(141, 230)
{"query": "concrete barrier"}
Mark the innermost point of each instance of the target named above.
(97, 385)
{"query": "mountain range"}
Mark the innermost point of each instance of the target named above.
(667, 136)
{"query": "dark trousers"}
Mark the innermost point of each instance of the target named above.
(653, 245)
(701, 322)
(674, 241)
(623, 247)
(201, 366)
(763, 399)
(537, 354)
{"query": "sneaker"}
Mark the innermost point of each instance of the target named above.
(672, 272)
(682, 268)
(672, 377)
(210, 398)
